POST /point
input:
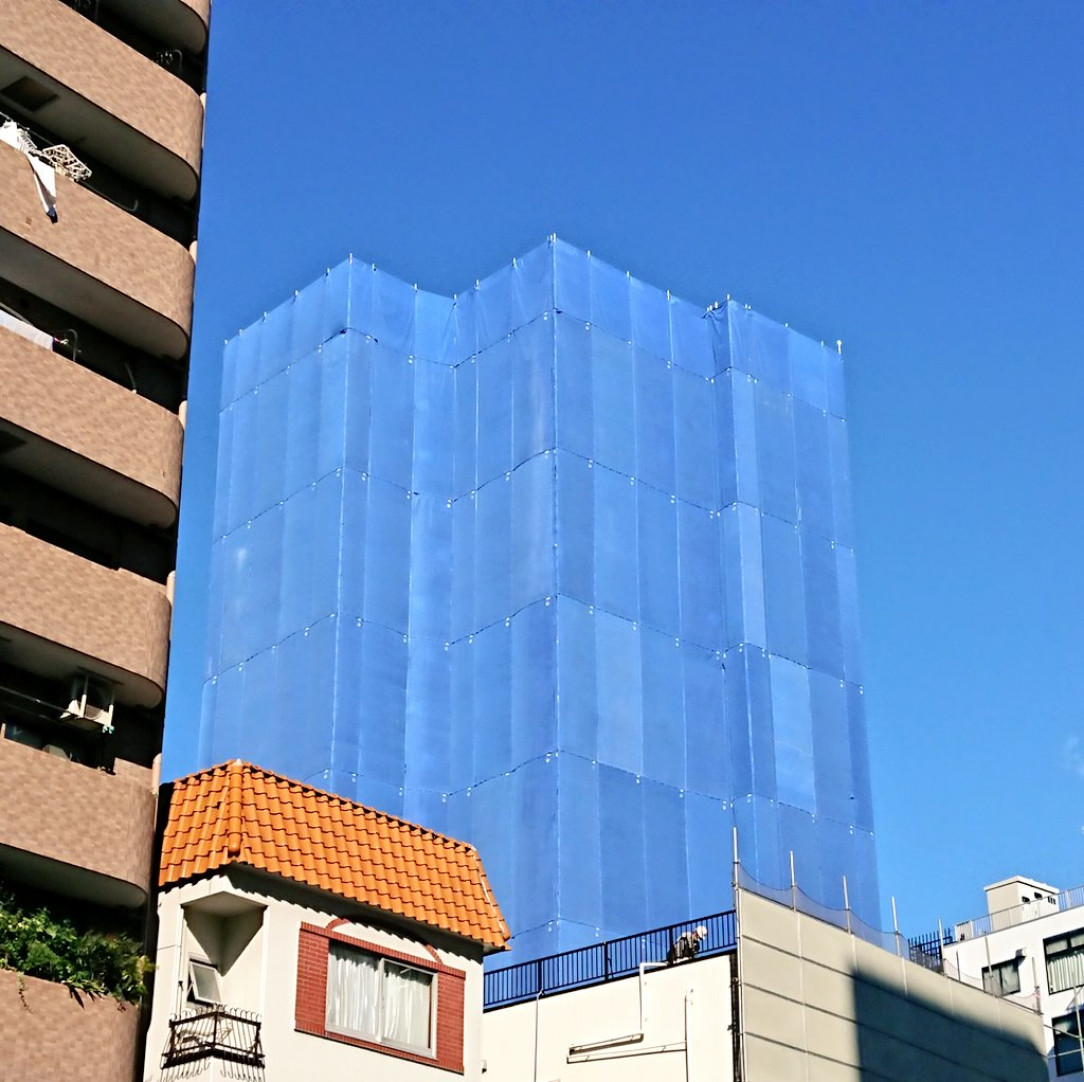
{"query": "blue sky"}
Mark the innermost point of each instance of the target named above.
(904, 176)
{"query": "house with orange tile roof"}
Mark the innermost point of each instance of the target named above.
(303, 935)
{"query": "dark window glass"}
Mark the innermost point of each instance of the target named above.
(1067, 1058)
(1002, 978)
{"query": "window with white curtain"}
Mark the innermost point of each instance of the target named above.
(1065, 961)
(379, 999)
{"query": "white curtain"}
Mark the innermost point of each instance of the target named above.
(1066, 971)
(406, 1005)
(353, 992)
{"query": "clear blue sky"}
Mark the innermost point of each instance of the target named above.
(905, 176)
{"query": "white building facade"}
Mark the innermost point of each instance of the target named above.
(1029, 949)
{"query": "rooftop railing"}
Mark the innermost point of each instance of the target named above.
(1020, 914)
(926, 949)
(606, 961)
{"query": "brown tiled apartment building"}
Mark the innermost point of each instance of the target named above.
(96, 273)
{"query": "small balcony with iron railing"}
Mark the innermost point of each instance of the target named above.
(201, 1034)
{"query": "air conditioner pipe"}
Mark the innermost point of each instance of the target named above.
(628, 1038)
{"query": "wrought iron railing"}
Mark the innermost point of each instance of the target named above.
(925, 950)
(605, 961)
(215, 1032)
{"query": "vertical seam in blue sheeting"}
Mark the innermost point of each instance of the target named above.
(554, 557)
(672, 360)
(637, 623)
(337, 632)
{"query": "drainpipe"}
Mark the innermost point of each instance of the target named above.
(537, 1010)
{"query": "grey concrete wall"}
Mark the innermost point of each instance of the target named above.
(820, 1005)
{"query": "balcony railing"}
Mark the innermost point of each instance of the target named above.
(604, 961)
(214, 1032)
(183, 65)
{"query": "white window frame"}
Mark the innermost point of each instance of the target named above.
(429, 1050)
(192, 994)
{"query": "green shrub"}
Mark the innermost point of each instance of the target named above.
(36, 943)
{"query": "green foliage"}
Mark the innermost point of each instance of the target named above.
(36, 943)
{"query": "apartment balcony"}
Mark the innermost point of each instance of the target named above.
(182, 23)
(97, 262)
(102, 97)
(86, 833)
(60, 613)
(89, 437)
(50, 1036)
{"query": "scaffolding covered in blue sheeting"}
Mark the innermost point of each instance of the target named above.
(563, 566)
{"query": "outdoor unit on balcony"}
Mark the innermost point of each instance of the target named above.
(91, 705)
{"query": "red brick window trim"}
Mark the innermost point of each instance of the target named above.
(314, 945)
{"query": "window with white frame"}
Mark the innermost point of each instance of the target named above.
(379, 999)
(1065, 961)
(203, 986)
(1002, 978)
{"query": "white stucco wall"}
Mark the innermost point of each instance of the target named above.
(684, 1036)
(249, 925)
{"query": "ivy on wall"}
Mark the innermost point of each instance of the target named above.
(36, 943)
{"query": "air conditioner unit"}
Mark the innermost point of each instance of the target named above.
(91, 703)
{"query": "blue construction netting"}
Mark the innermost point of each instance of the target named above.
(562, 566)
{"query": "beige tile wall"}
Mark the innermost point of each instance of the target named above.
(114, 616)
(66, 404)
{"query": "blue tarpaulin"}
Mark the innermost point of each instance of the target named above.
(561, 566)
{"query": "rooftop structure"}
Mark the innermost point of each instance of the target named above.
(101, 123)
(561, 565)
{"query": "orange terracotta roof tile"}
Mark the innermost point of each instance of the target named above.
(237, 813)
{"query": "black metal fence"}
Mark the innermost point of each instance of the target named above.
(925, 949)
(605, 961)
(215, 1032)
